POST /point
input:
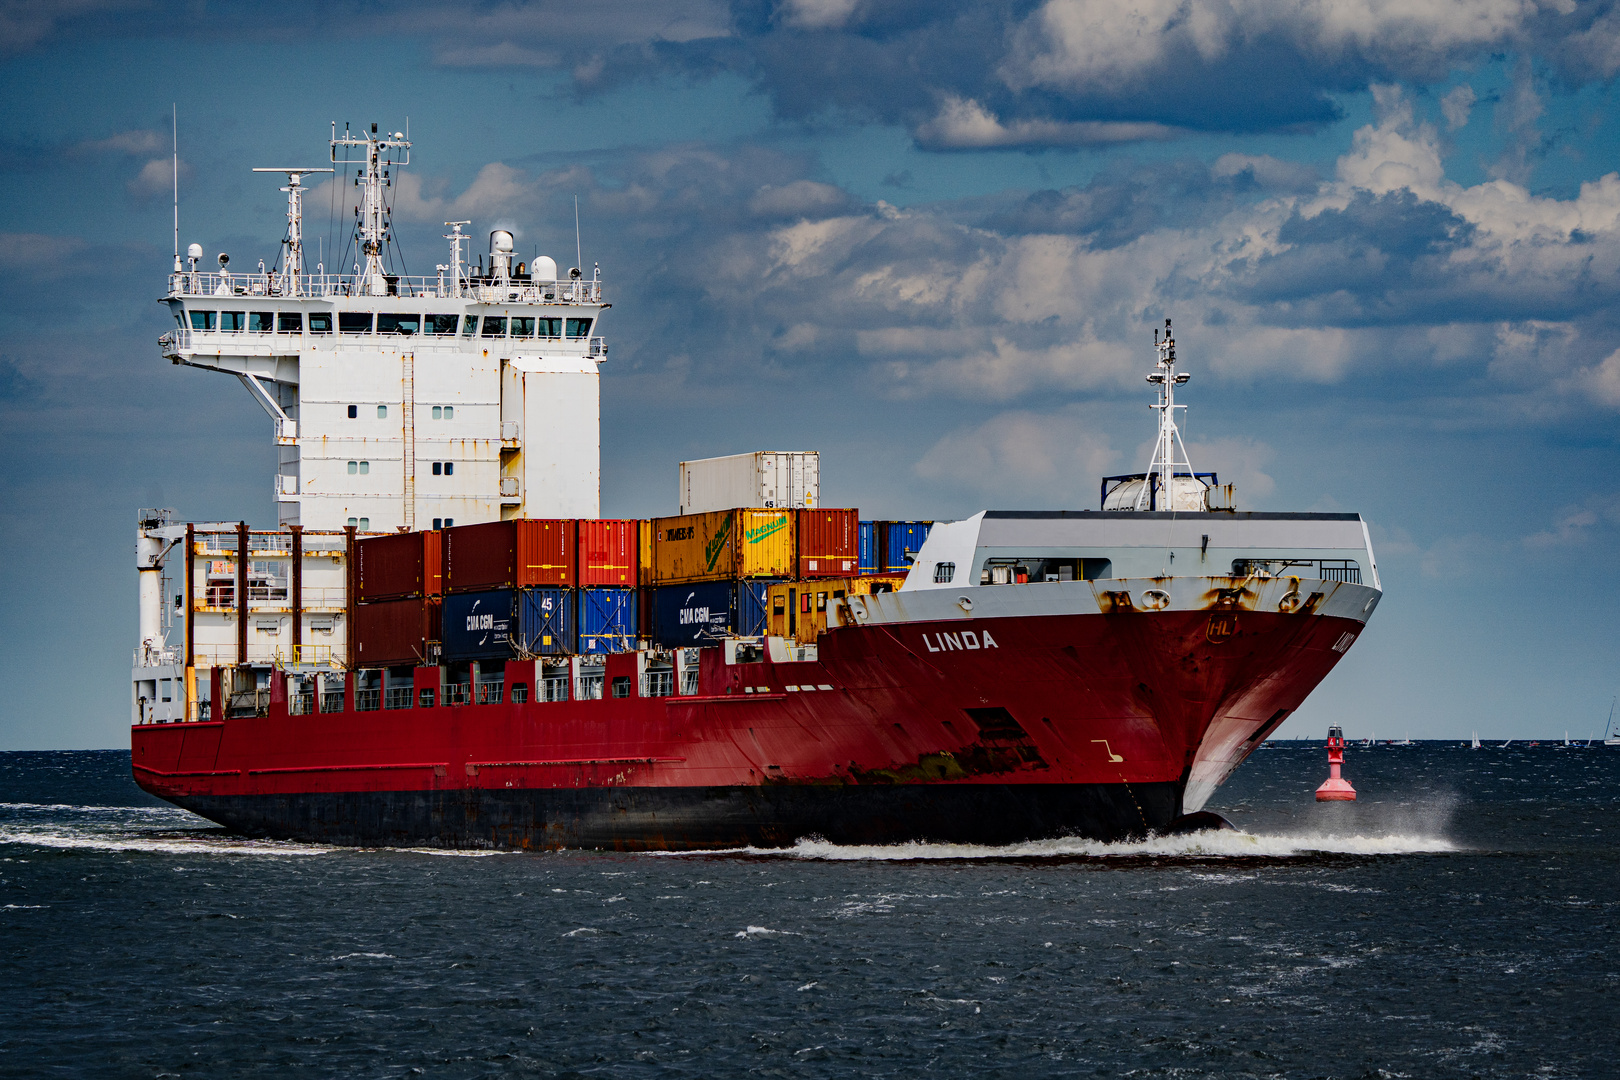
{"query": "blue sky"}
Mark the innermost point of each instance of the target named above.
(930, 240)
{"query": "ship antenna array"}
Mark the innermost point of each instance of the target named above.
(456, 238)
(1165, 461)
(378, 153)
(174, 120)
(293, 267)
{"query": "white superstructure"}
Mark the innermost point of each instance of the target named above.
(414, 402)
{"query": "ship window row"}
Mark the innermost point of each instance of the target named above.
(363, 524)
(444, 523)
(388, 323)
(359, 467)
(354, 412)
(444, 468)
(1023, 571)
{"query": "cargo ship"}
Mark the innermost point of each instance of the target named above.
(441, 642)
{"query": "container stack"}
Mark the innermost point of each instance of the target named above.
(398, 586)
(609, 577)
(509, 589)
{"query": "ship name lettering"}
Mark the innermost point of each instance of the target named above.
(966, 639)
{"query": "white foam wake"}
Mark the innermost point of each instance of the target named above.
(162, 843)
(1221, 843)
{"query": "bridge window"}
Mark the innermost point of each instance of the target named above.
(203, 320)
(392, 322)
(290, 322)
(494, 326)
(442, 325)
(549, 328)
(944, 572)
(320, 322)
(579, 328)
(354, 322)
(470, 326)
(522, 327)
(261, 322)
(233, 322)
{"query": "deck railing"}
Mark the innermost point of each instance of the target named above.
(272, 285)
(368, 700)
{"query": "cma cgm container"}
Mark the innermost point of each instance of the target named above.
(607, 620)
(772, 479)
(701, 612)
(503, 623)
(396, 566)
(606, 553)
(393, 632)
(828, 543)
(512, 554)
(901, 540)
(723, 546)
(869, 562)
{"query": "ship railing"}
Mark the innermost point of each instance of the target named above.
(274, 285)
(490, 691)
(156, 656)
(398, 697)
(554, 688)
(657, 683)
(301, 704)
(588, 687)
(457, 693)
(332, 701)
(368, 700)
(689, 681)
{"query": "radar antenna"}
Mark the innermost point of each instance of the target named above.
(293, 266)
(1165, 463)
(379, 153)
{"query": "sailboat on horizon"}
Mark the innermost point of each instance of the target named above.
(1610, 737)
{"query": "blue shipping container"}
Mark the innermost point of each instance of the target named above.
(607, 620)
(477, 626)
(901, 542)
(546, 621)
(704, 612)
(869, 548)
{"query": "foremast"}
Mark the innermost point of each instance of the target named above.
(1165, 464)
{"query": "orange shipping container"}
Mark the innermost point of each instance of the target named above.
(723, 545)
(606, 552)
(644, 554)
(512, 554)
(829, 543)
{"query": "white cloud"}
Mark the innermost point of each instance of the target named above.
(963, 124)
(136, 143)
(817, 14)
(1023, 458)
(1456, 105)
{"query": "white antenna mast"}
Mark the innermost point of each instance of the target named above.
(293, 269)
(579, 258)
(174, 120)
(380, 152)
(1164, 461)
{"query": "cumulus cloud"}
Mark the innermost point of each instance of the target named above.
(966, 125)
(1024, 458)
(1456, 105)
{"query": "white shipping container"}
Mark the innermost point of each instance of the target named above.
(767, 479)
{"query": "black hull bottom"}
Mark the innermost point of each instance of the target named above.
(679, 819)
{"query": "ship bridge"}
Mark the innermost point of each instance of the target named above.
(398, 401)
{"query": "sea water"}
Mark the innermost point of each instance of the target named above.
(1458, 920)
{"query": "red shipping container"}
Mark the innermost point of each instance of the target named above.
(398, 565)
(512, 554)
(394, 632)
(606, 551)
(829, 543)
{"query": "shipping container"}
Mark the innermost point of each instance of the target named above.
(503, 623)
(798, 609)
(397, 566)
(608, 620)
(766, 479)
(901, 540)
(723, 546)
(870, 563)
(606, 551)
(703, 612)
(391, 632)
(644, 554)
(478, 626)
(512, 554)
(828, 543)
(546, 622)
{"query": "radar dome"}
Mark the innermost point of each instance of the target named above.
(545, 268)
(194, 252)
(500, 240)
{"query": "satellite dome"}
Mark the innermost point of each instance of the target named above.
(500, 240)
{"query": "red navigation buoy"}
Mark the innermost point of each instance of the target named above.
(1336, 788)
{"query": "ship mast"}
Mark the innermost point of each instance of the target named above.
(1165, 462)
(379, 153)
(293, 265)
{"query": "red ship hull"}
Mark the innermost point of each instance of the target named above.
(1084, 725)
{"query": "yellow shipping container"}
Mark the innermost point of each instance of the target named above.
(644, 552)
(723, 545)
(798, 609)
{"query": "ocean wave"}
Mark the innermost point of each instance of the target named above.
(1214, 843)
(165, 843)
